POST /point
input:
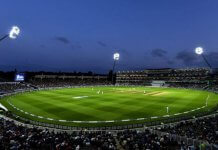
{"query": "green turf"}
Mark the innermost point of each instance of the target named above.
(116, 103)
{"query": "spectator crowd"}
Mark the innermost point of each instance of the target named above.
(144, 140)
(16, 137)
(10, 87)
(205, 129)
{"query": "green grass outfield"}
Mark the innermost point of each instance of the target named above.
(119, 104)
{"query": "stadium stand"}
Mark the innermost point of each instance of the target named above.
(13, 136)
(43, 81)
(186, 78)
(205, 129)
(132, 139)
(19, 137)
(9, 87)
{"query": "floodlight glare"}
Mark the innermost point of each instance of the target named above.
(116, 56)
(14, 32)
(199, 50)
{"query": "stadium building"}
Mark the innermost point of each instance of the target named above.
(169, 77)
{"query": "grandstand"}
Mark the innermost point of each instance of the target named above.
(173, 77)
(67, 80)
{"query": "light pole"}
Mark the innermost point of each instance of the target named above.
(200, 51)
(14, 32)
(116, 58)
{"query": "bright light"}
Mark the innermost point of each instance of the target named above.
(14, 32)
(116, 56)
(199, 50)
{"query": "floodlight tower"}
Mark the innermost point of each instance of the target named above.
(14, 32)
(116, 58)
(200, 51)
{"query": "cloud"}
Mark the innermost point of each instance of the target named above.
(212, 58)
(158, 52)
(62, 39)
(190, 58)
(187, 57)
(102, 44)
(161, 53)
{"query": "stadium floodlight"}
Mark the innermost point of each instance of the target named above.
(116, 58)
(199, 50)
(14, 32)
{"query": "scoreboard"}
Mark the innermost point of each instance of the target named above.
(19, 77)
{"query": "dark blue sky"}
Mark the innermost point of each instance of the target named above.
(82, 35)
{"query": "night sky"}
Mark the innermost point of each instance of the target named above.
(82, 35)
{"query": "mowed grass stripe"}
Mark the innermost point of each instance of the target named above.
(132, 103)
(63, 110)
(134, 108)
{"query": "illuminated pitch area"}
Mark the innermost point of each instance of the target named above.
(108, 103)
